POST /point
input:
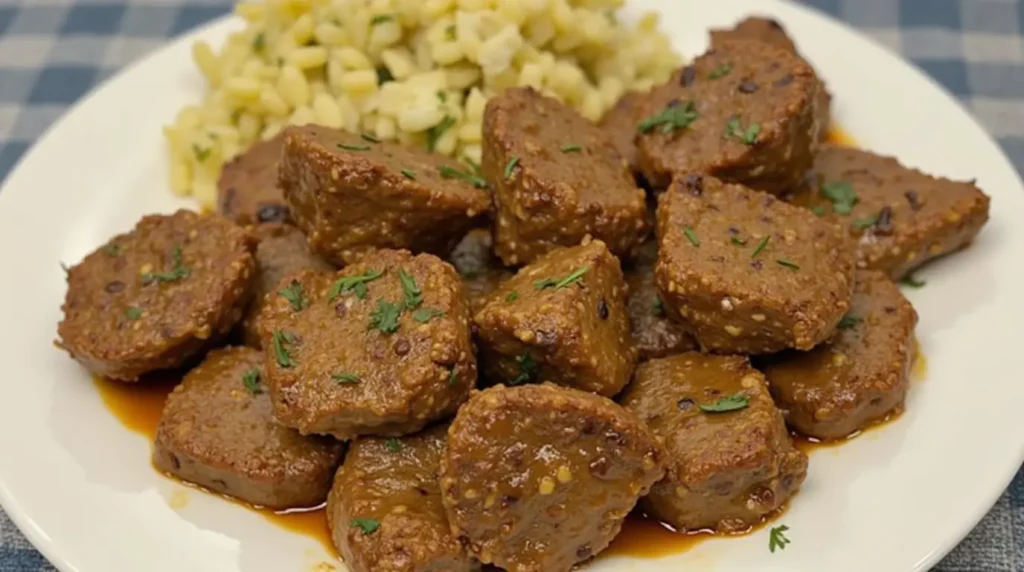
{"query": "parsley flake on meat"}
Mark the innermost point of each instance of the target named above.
(726, 404)
(367, 525)
(453, 376)
(113, 249)
(678, 116)
(734, 130)
(512, 296)
(424, 315)
(348, 147)
(761, 246)
(345, 377)
(133, 313)
(738, 241)
(295, 294)
(848, 322)
(788, 263)
(251, 381)
(527, 369)
(721, 71)
(385, 317)
(452, 173)
(691, 236)
(393, 445)
(574, 276)
(370, 138)
(410, 290)
(355, 284)
(177, 272)
(909, 280)
(777, 538)
(658, 307)
(280, 339)
(409, 174)
(841, 194)
(865, 222)
(571, 148)
(511, 165)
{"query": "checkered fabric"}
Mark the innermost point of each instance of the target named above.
(54, 51)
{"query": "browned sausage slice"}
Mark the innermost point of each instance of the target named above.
(385, 511)
(731, 461)
(157, 296)
(857, 377)
(539, 477)
(747, 273)
(218, 430)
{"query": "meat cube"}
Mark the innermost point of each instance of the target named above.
(654, 333)
(381, 347)
(860, 375)
(218, 431)
(620, 123)
(247, 190)
(901, 217)
(731, 460)
(745, 112)
(561, 319)
(558, 178)
(351, 193)
(747, 273)
(385, 511)
(538, 478)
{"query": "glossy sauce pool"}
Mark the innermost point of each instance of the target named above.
(138, 407)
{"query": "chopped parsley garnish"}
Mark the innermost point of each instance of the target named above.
(572, 148)
(658, 307)
(295, 294)
(385, 317)
(410, 291)
(65, 268)
(251, 381)
(381, 18)
(788, 263)
(449, 32)
(511, 165)
(573, 276)
(435, 133)
(819, 210)
(348, 147)
(279, 339)
(345, 377)
(451, 173)
(200, 153)
(865, 222)
(721, 71)
(258, 42)
(424, 315)
(512, 296)
(738, 241)
(527, 369)
(177, 272)
(761, 246)
(673, 117)
(733, 130)
(453, 376)
(841, 194)
(355, 284)
(777, 538)
(726, 404)
(409, 174)
(367, 525)
(691, 236)
(384, 75)
(909, 280)
(849, 321)
(133, 313)
(370, 138)
(393, 445)
(113, 249)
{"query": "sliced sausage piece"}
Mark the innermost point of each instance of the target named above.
(558, 178)
(771, 31)
(247, 190)
(620, 122)
(385, 511)
(860, 375)
(561, 319)
(539, 477)
(744, 112)
(379, 348)
(350, 194)
(282, 251)
(731, 460)
(157, 296)
(480, 269)
(746, 273)
(218, 431)
(654, 333)
(901, 217)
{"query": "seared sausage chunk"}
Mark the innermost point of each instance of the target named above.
(902, 217)
(744, 112)
(770, 31)
(480, 269)
(247, 190)
(857, 377)
(282, 251)
(557, 179)
(218, 431)
(561, 319)
(350, 194)
(620, 122)
(385, 511)
(156, 297)
(747, 273)
(539, 477)
(731, 461)
(654, 333)
(381, 347)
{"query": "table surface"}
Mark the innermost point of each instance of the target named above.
(54, 51)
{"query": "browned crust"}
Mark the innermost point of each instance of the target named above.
(247, 191)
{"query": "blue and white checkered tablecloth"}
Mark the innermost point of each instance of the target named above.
(53, 51)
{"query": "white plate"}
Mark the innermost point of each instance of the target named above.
(81, 486)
